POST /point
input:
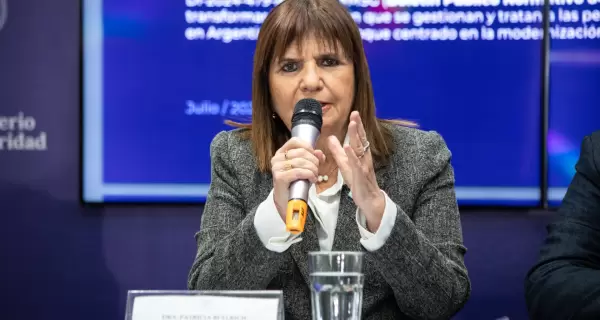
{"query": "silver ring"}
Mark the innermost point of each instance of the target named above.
(365, 149)
(366, 146)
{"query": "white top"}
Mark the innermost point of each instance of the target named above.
(272, 231)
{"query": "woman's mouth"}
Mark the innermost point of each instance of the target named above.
(325, 105)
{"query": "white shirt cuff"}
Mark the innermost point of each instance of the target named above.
(374, 241)
(271, 228)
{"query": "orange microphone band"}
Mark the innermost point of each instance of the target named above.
(296, 215)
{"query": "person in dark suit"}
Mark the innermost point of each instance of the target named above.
(565, 282)
(378, 186)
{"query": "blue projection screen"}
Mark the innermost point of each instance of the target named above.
(161, 77)
(574, 89)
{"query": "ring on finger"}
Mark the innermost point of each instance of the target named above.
(364, 150)
(287, 166)
(366, 146)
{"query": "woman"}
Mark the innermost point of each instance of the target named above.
(378, 187)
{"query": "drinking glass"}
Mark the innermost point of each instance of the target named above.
(336, 283)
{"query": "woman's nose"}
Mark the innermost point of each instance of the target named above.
(311, 79)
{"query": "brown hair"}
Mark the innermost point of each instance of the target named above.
(331, 22)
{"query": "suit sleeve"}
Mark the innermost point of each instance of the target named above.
(423, 257)
(230, 253)
(565, 283)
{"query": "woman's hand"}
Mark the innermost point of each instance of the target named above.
(356, 164)
(295, 160)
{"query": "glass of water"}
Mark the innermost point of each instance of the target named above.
(336, 283)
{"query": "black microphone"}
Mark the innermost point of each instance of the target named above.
(306, 125)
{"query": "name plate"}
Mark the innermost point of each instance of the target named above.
(189, 305)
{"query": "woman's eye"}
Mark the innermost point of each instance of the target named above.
(290, 67)
(330, 62)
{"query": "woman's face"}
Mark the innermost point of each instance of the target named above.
(318, 73)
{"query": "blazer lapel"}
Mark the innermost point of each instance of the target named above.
(347, 236)
(310, 242)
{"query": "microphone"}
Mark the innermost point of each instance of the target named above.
(306, 125)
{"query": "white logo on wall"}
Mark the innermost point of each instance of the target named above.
(18, 133)
(3, 12)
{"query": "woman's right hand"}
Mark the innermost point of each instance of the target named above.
(295, 160)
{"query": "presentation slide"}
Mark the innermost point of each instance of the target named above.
(161, 77)
(574, 90)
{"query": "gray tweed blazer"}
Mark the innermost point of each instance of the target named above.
(419, 273)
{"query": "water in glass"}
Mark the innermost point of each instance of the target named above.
(336, 295)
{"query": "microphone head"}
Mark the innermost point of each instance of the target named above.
(308, 111)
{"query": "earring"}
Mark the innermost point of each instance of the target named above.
(274, 115)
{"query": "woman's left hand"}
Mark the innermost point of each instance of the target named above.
(356, 164)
